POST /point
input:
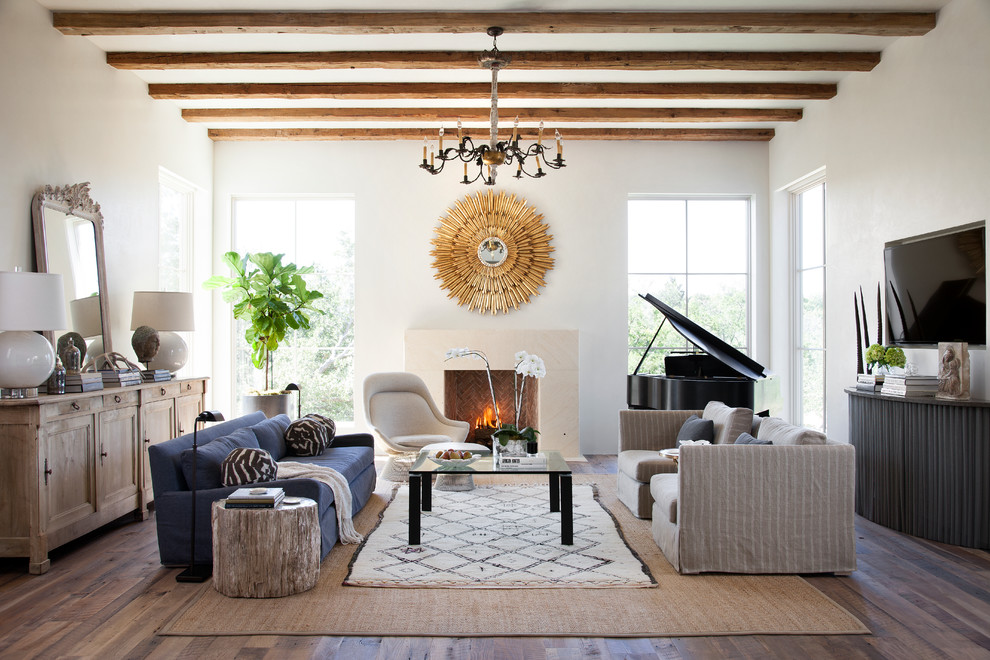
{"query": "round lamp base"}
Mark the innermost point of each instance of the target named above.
(26, 359)
(172, 353)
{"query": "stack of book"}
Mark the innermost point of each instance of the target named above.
(255, 498)
(121, 378)
(869, 382)
(84, 381)
(529, 462)
(903, 385)
(156, 375)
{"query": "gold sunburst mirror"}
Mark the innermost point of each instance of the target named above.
(491, 252)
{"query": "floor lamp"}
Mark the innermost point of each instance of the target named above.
(292, 387)
(201, 572)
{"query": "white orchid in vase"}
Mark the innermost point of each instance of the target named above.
(527, 366)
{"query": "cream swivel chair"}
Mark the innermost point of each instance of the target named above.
(401, 411)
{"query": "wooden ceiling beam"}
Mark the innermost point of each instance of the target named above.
(554, 60)
(391, 91)
(887, 24)
(344, 134)
(550, 115)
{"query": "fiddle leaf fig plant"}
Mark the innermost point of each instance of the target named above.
(271, 297)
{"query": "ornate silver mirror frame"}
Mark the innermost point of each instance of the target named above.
(68, 239)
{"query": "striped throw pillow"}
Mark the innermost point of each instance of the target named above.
(247, 465)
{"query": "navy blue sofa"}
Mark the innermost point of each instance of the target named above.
(170, 461)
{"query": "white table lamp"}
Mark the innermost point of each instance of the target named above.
(167, 312)
(28, 302)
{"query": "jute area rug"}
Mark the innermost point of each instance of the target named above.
(681, 605)
(497, 537)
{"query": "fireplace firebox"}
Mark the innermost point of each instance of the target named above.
(467, 397)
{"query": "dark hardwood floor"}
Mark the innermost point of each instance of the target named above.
(106, 594)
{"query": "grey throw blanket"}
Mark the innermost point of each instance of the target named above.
(341, 493)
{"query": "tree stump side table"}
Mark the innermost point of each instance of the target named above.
(264, 553)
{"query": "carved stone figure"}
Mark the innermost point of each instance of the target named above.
(953, 371)
(145, 343)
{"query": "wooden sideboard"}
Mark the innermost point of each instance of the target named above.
(923, 466)
(74, 462)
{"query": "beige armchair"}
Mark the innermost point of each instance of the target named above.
(402, 413)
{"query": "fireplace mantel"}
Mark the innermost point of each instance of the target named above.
(558, 397)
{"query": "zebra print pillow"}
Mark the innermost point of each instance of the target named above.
(247, 465)
(306, 437)
(328, 424)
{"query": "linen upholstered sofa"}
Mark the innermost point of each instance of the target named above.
(350, 454)
(786, 507)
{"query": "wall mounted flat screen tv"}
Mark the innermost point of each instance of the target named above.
(936, 287)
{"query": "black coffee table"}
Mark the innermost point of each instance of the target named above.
(556, 469)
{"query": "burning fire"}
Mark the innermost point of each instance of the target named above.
(487, 419)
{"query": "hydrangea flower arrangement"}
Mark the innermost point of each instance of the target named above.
(881, 356)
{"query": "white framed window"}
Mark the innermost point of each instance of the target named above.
(807, 209)
(176, 215)
(693, 254)
(309, 231)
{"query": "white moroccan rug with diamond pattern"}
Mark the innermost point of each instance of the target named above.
(497, 537)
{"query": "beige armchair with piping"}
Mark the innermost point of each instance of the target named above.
(400, 410)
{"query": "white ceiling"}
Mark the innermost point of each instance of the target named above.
(476, 43)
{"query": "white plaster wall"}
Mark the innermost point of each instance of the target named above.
(65, 117)
(397, 208)
(907, 151)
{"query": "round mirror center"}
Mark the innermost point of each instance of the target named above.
(492, 251)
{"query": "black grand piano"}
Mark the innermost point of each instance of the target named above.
(718, 373)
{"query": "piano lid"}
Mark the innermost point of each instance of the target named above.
(708, 342)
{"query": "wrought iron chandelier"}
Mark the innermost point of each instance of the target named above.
(487, 157)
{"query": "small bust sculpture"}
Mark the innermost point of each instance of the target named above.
(71, 357)
(145, 343)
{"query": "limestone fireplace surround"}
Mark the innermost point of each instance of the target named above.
(425, 350)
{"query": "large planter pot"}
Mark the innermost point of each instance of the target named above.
(270, 404)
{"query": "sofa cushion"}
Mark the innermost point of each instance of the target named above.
(211, 455)
(328, 424)
(641, 464)
(306, 437)
(747, 439)
(780, 432)
(729, 422)
(247, 465)
(271, 435)
(664, 489)
(695, 428)
(349, 461)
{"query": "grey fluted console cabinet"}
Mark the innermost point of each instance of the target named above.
(923, 466)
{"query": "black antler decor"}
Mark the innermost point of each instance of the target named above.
(859, 336)
(862, 307)
(879, 318)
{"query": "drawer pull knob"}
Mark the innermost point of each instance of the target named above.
(147, 441)
(163, 391)
(188, 386)
(75, 406)
(116, 398)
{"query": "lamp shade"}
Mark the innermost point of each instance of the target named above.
(28, 302)
(163, 310)
(31, 301)
(85, 313)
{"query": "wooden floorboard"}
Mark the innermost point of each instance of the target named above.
(106, 595)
